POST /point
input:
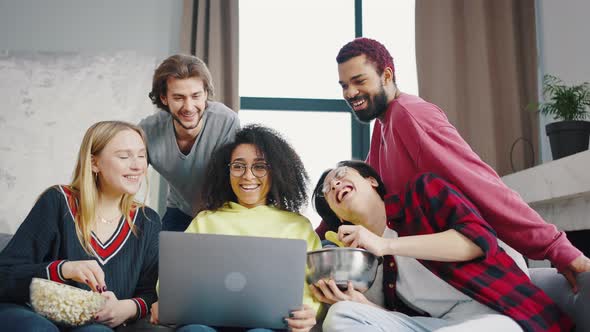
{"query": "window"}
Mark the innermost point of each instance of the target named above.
(308, 134)
(290, 50)
(392, 23)
(288, 72)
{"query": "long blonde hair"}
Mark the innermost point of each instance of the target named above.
(84, 183)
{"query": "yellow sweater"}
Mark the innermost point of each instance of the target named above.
(263, 221)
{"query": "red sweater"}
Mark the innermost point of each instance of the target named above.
(415, 136)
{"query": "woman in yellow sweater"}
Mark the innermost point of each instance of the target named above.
(256, 186)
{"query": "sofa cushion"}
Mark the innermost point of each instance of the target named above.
(556, 286)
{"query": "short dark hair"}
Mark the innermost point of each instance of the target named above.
(321, 205)
(375, 52)
(179, 66)
(288, 189)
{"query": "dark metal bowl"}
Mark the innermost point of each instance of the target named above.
(343, 264)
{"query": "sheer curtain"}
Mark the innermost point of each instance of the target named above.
(476, 59)
(210, 31)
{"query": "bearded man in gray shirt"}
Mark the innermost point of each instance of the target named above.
(182, 137)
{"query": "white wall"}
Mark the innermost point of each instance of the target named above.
(65, 64)
(563, 51)
(144, 26)
(563, 31)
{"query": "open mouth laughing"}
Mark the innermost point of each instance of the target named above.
(343, 193)
(188, 116)
(358, 103)
(132, 178)
(249, 187)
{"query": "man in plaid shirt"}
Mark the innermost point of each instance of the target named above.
(442, 259)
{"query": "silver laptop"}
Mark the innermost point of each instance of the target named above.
(229, 281)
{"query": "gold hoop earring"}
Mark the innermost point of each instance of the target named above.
(95, 176)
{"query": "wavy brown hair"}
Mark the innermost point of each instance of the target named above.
(179, 66)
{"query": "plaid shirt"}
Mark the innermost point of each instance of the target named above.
(432, 205)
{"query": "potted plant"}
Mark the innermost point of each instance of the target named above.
(569, 105)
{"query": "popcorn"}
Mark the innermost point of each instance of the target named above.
(63, 303)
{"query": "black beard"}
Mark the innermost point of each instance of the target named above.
(377, 106)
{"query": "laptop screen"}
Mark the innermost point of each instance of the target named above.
(229, 281)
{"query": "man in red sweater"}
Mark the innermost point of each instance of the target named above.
(413, 136)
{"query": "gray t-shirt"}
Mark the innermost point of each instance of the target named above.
(185, 173)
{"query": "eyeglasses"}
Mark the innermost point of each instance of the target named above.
(259, 170)
(337, 174)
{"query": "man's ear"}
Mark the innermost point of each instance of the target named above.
(373, 182)
(387, 75)
(164, 100)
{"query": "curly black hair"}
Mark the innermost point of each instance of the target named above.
(319, 201)
(289, 179)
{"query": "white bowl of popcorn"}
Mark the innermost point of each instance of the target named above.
(63, 303)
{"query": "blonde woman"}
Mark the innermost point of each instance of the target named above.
(91, 234)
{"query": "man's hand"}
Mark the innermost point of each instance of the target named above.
(359, 237)
(578, 265)
(328, 292)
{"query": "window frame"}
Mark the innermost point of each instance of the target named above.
(360, 132)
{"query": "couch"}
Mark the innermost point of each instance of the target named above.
(4, 238)
(555, 285)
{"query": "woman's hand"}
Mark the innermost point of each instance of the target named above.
(301, 320)
(115, 312)
(359, 237)
(85, 272)
(154, 319)
(328, 292)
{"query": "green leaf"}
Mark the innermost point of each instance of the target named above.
(563, 102)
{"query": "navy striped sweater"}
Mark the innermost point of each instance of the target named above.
(47, 237)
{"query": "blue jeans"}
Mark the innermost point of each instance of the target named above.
(205, 328)
(14, 317)
(175, 220)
